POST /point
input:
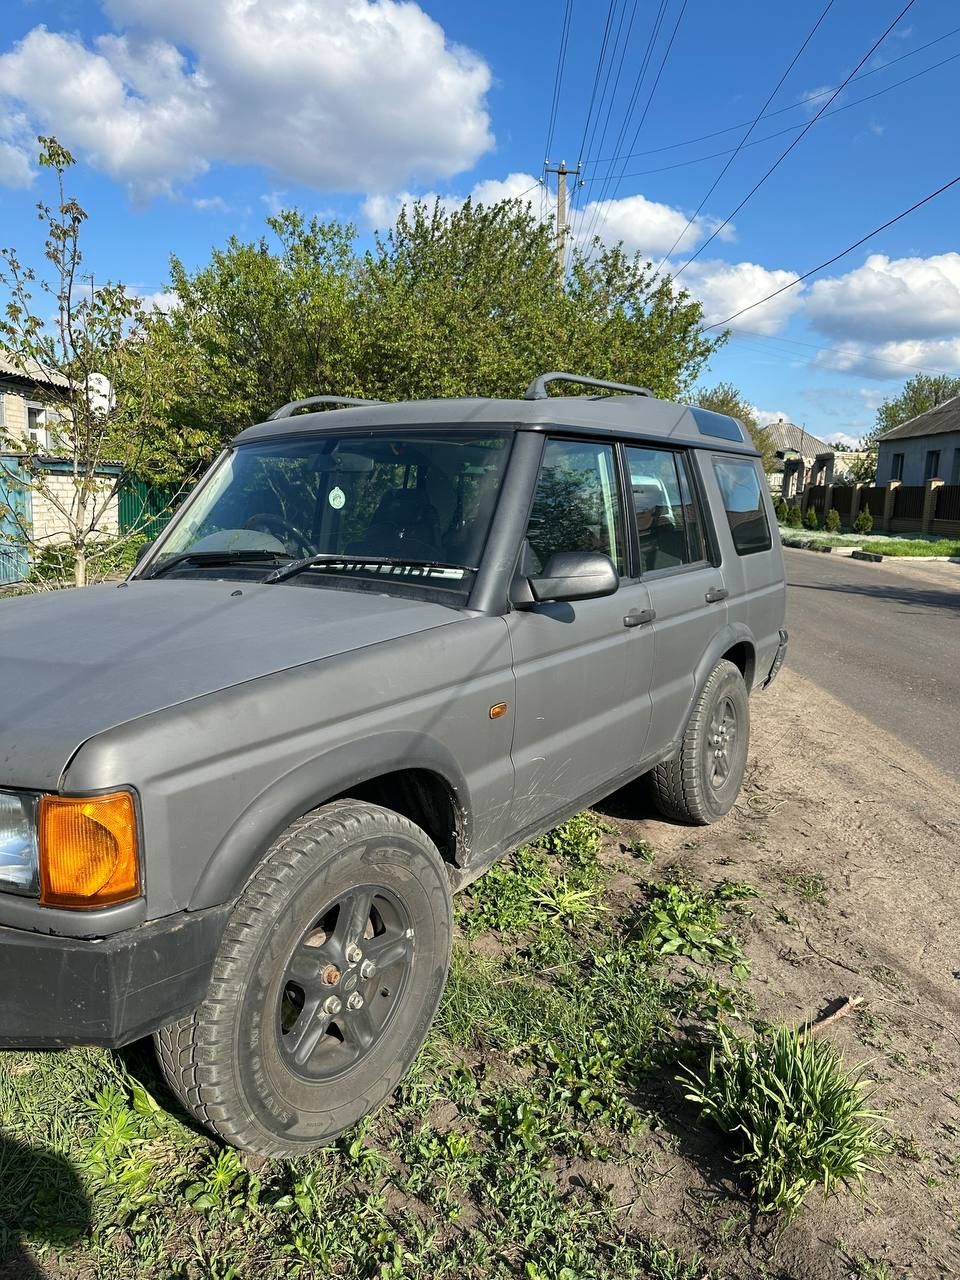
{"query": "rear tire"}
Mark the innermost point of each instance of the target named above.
(700, 784)
(323, 990)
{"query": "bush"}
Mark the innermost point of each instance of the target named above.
(864, 521)
(797, 1115)
(832, 522)
(794, 516)
(810, 518)
(780, 508)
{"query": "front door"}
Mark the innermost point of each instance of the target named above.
(686, 589)
(574, 701)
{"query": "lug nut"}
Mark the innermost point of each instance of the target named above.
(332, 1005)
(355, 1001)
(367, 969)
(354, 954)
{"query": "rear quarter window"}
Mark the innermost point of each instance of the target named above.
(742, 495)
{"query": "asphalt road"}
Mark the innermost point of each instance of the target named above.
(885, 640)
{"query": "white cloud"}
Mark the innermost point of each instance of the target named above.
(767, 416)
(342, 95)
(382, 210)
(725, 287)
(211, 204)
(886, 360)
(15, 167)
(645, 226)
(889, 300)
(161, 300)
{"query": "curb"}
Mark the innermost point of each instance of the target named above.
(875, 558)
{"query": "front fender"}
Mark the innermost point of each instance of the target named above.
(307, 787)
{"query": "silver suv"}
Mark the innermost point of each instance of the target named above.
(377, 649)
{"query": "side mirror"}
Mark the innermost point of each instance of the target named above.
(143, 550)
(575, 575)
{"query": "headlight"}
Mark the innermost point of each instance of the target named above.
(18, 843)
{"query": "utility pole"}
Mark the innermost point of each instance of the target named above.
(562, 172)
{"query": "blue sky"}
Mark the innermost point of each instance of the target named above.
(192, 121)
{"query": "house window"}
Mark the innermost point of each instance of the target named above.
(932, 469)
(896, 467)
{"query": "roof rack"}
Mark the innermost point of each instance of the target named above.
(288, 410)
(537, 389)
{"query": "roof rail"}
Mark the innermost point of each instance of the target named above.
(288, 410)
(537, 389)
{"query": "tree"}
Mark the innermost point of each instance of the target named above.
(921, 392)
(725, 398)
(81, 358)
(446, 303)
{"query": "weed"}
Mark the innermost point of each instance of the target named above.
(797, 1115)
(684, 920)
(807, 887)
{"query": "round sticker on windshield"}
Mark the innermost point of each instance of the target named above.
(337, 498)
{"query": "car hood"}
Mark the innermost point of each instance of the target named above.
(75, 663)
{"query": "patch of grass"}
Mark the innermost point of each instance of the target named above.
(807, 886)
(913, 547)
(683, 919)
(798, 1117)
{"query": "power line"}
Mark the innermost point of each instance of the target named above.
(793, 106)
(753, 124)
(596, 82)
(791, 128)
(786, 151)
(558, 77)
(650, 97)
(719, 324)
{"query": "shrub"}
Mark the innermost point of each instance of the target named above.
(794, 516)
(810, 518)
(780, 508)
(797, 1115)
(864, 521)
(832, 522)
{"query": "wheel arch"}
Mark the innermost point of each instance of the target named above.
(412, 774)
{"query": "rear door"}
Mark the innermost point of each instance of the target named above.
(686, 587)
(576, 712)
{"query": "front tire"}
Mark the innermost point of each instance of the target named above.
(700, 784)
(323, 990)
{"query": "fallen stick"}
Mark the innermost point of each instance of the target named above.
(845, 1005)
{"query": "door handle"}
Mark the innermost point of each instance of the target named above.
(638, 617)
(715, 594)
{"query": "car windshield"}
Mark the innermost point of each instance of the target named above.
(410, 506)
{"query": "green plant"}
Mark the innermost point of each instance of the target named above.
(810, 518)
(794, 516)
(780, 508)
(798, 1117)
(684, 920)
(864, 520)
(832, 522)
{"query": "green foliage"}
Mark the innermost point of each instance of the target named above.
(921, 392)
(832, 522)
(684, 920)
(864, 520)
(446, 303)
(915, 547)
(810, 518)
(798, 1117)
(726, 398)
(780, 508)
(794, 516)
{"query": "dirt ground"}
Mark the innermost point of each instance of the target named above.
(829, 795)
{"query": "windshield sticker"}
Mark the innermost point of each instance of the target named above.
(337, 498)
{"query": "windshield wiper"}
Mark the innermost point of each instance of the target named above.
(213, 558)
(328, 558)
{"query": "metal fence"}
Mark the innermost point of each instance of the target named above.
(816, 496)
(908, 502)
(948, 502)
(873, 499)
(842, 499)
(148, 508)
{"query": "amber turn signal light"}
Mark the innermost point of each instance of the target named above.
(88, 850)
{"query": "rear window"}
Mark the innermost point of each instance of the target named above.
(743, 502)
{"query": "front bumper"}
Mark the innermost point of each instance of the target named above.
(778, 659)
(59, 991)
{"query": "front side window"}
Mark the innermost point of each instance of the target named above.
(743, 502)
(577, 504)
(417, 506)
(668, 524)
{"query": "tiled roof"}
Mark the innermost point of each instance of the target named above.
(934, 422)
(790, 439)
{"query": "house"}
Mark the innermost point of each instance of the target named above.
(802, 458)
(925, 448)
(26, 417)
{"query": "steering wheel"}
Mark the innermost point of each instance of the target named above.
(280, 527)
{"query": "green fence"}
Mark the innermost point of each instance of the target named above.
(147, 508)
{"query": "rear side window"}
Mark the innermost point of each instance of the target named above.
(668, 526)
(743, 501)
